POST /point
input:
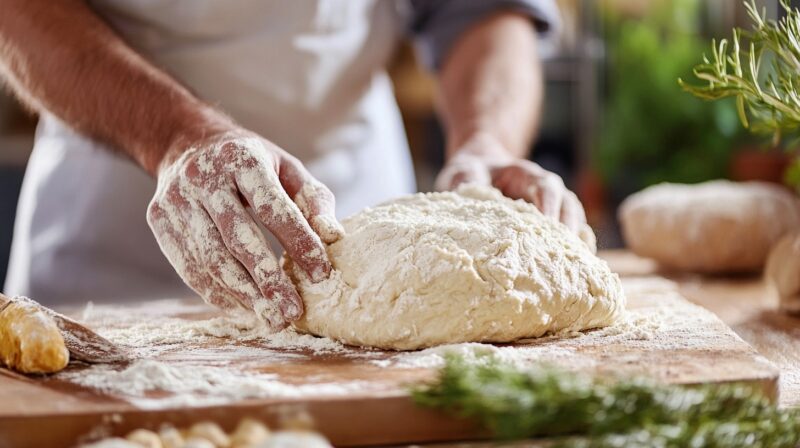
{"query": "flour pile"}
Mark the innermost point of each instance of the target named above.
(471, 266)
(188, 355)
(145, 381)
(183, 359)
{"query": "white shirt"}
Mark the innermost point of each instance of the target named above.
(308, 75)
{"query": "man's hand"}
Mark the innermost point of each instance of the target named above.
(490, 98)
(484, 160)
(206, 212)
(216, 182)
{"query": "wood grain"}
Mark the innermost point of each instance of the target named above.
(706, 353)
(743, 302)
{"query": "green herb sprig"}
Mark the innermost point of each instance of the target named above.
(767, 100)
(760, 68)
(588, 412)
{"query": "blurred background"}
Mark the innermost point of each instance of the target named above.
(614, 122)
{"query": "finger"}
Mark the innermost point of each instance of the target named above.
(572, 214)
(214, 260)
(228, 272)
(244, 240)
(175, 240)
(551, 198)
(531, 183)
(260, 186)
(315, 200)
(462, 172)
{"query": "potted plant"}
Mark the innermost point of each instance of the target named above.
(648, 133)
(760, 70)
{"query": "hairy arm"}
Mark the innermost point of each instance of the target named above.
(490, 99)
(491, 83)
(59, 57)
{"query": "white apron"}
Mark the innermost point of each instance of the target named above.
(306, 74)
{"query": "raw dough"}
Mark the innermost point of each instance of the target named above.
(249, 434)
(783, 271)
(296, 439)
(717, 226)
(440, 268)
(209, 431)
(144, 438)
(30, 341)
(171, 437)
(198, 442)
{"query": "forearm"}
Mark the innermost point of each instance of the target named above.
(491, 83)
(61, 58)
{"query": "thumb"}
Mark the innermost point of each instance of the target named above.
(462, 171)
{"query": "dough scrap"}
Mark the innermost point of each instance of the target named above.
(713, 227)
(249, 434)
(30, 341)
(783, 271)
(209, 431)
(471, 266)
(296, 439)
(144, 438)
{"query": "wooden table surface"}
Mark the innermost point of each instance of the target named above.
(745, 303)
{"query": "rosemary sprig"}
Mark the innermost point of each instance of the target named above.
(767, 98)
(588, 412)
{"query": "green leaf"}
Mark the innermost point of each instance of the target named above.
(769, 102)
(591, 412)
(792, 175)
(740, 110)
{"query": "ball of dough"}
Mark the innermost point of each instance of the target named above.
(440, 268)
(145, 438)
(198, 442)
(713, 227)
(249, 434)
(783, 271)
(209, 431)
(30, 341)
(171, 437)
(296, 439)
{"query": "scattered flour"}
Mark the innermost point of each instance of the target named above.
(148, 332)
(195, 385)
(633, 327)
(150, 338)
(182, 361)
(190, 356)
(473, 352)
(660, 325)
(780, 345)
(464, 266)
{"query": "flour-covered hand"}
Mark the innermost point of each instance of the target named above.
(206, 215)
(484, 160)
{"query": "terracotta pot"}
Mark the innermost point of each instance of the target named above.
(759, 164)
(591, 190)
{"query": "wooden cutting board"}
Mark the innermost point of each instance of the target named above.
(666, 338)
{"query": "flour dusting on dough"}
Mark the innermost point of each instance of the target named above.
(471, 266)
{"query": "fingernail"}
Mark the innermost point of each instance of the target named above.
(291, 310)
(320, 273)
(329, 228)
